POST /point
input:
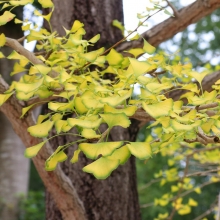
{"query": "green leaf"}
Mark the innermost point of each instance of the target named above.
(55, 158)
(32, 151)
(89, 133)
(141, 150)
(75, 157)
(41, 130)
(121, 154)
(159, 109)
(102, 167)
(114, 58)
(2, 40)
(119, 119)
(92, 151)
(6, 17)
(148, 48)
(129, 111)
(46, 3)
(168, 13)
(119, 25)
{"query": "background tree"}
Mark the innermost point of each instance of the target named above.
(14, 167)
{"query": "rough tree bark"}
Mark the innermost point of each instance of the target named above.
(116, 197)
(14, 167)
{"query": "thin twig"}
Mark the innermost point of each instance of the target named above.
(207, 212)
(175, 12)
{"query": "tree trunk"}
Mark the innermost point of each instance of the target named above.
(116, 197)
(14, 167)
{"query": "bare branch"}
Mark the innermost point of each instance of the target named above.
(168, 28)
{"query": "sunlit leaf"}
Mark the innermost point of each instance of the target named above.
(114, 58)
(6, 17)
(46, 3)
(94, 39)
(121, 154)
(75, 157)
(102, 167)
(192, 202)
(184, 210)
(159, 109)
(2, 40)
(84, 123)
(4, 97)
(129, 111)
(148, 48)
(141, 150)
(119, 25)
(183, 127)
(55, 158)
(76, 26)
(92, 151)
(119, 119)
(89, 133)
(41, 130)
(139, 67)
(32, 151)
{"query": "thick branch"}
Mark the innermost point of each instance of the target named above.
(168, 28)
(56, 181)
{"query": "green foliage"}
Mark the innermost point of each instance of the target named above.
(68, 68)
(32, 207)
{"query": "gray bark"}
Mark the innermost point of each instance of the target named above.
(14, 174)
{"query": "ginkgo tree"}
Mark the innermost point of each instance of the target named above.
(67, 69)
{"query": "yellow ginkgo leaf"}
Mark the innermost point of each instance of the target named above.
(75, 156)
(2, 40)
(6, 17)
(102, 167)
(117, 119)
(148, 48)
(41, 130)
(114, 58)
(46, 3)
(55, 158)
(141, 150)
(159, 109)
(92, 151)
(32, 151)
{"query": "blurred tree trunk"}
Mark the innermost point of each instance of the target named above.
(14, 167)
(115, 197)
